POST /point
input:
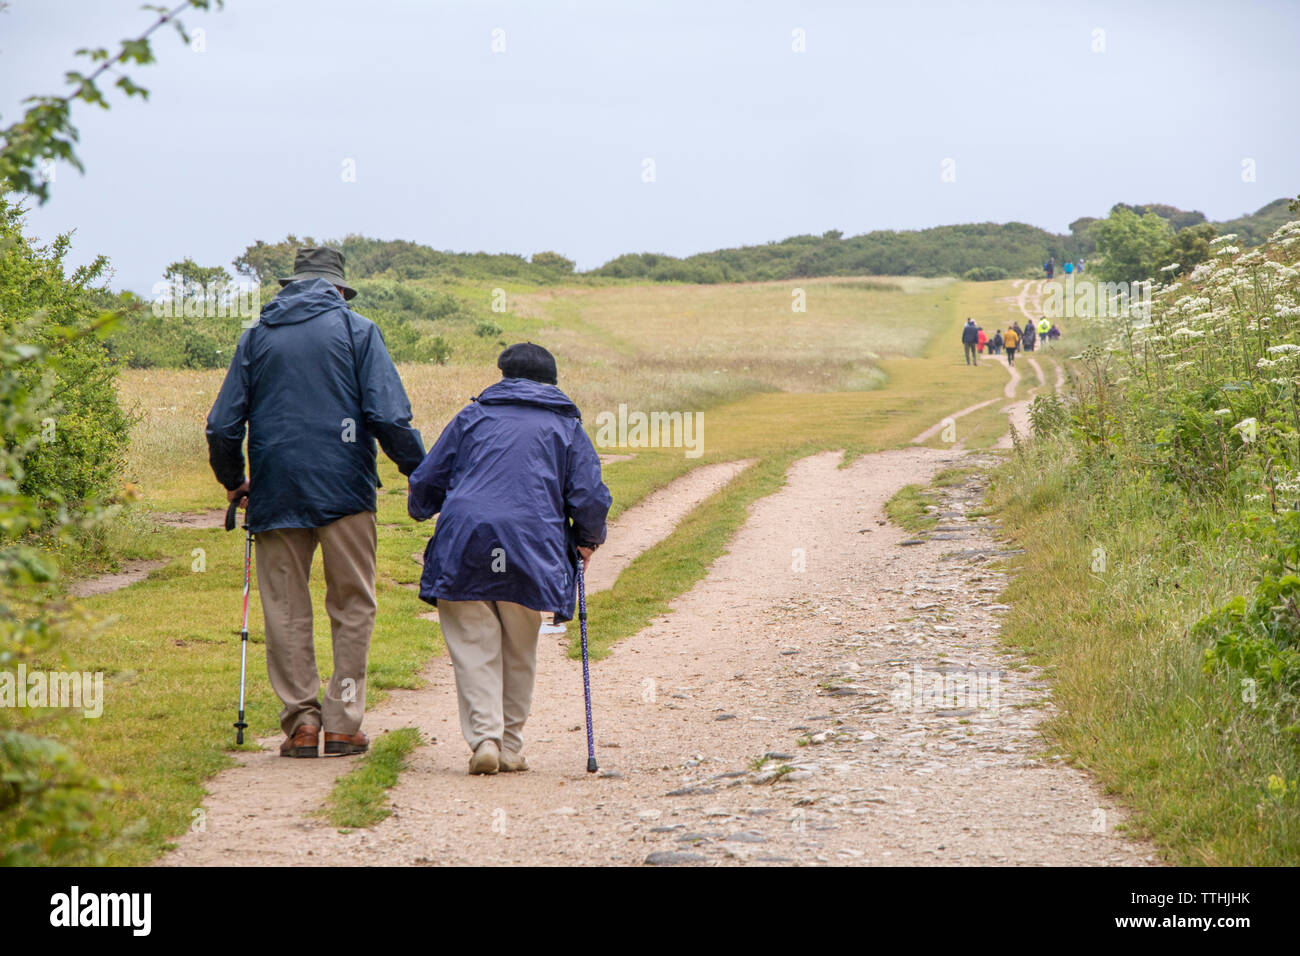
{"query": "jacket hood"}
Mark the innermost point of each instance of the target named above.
(524, 391)
(300, 301)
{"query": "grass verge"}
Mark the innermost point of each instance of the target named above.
(1115, 572)
(360, 796)
(910, 509)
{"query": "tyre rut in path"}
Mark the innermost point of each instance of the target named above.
(1028, 301)
(755, 658)
(648, 522)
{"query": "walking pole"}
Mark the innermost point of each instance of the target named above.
(586, 674)
(240, 724)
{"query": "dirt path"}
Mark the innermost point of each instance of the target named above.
(753, 660)
(136, 571)
(938, 426)
(1028, 301)
(1032, 359)
(212, 518)
(1017, 412)
(1031, 287)
(132, 571)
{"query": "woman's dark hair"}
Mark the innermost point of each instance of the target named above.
(526, 360)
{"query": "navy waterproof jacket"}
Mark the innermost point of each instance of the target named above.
(516, 485)
(970, 334)
(316, 387)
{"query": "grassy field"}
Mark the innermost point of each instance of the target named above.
(770, 386)
(660, 347)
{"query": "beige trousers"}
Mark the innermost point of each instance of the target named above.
(284, 559)
(493, 650)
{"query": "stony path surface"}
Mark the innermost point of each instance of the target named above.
(785, 712)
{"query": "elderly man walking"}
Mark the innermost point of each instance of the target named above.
(516, 485)
(315, 386)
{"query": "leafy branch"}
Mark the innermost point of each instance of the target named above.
(45, 133)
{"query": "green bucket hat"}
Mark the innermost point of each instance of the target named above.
(323, 263)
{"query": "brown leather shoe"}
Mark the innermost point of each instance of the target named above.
(344, 745)
(304, 742)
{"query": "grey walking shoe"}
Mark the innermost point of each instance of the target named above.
(512, 762)
(487, 759)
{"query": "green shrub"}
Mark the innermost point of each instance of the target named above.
(47, 804)
(84, 433)
(1048, 415)
(1132, 247)
(53, 371)
(432, 349)
(985, 274)
(402, 301)
(405, 313)
(1258, 641)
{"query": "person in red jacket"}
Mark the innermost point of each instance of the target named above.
(982, 339)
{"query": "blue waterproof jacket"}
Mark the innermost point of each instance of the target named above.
(316, 387)
(516, 485)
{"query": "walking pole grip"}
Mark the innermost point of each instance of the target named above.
(231, 513)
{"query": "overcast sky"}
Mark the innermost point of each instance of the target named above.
(1048, 111)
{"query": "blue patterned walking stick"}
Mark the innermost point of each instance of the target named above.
(586, 673)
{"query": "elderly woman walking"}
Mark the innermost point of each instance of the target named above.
(516, 485)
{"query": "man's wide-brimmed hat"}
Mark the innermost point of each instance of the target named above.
(323, 263)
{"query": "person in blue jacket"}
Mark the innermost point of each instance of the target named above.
(516, 485)
(970, 337)
(313, 383)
